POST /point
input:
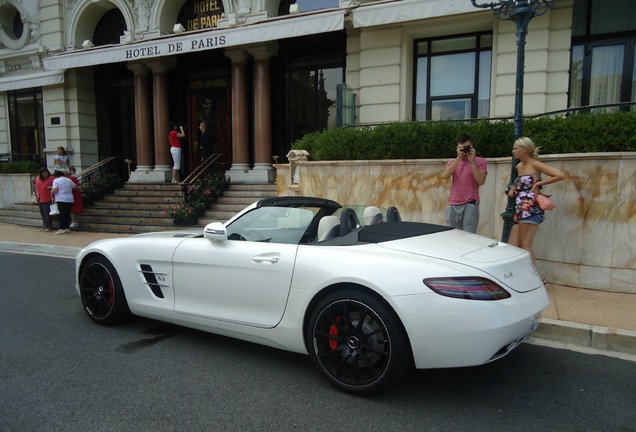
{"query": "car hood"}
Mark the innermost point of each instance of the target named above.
(508, 265)
(172, 234)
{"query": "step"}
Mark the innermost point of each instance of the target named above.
(125, 228)
(253, 194)
(122, 211)
(244, 201)
(147, 192)
(142, 199)
(234, 208)
(152, 186)
(124, 219)
(254, 186)
(125, 205)
(142, 207)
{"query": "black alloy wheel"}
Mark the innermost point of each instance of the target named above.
(102, 293)
(358, 342)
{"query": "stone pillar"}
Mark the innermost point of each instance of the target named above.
(263, 169)
(163, 159)
(240, 154)
(143, 135)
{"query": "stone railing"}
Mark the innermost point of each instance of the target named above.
(588, 241)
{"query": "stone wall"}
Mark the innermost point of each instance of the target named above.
(16, 188)
(587, 242)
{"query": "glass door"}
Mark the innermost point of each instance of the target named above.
(211, 109)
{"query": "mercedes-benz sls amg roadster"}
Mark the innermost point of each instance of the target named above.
(367, 295)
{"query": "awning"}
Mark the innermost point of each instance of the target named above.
(407, 10)
(21, 81)
(274, 29)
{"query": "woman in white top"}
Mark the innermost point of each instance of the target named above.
(62, 194)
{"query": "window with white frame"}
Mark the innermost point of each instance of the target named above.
(452, 77)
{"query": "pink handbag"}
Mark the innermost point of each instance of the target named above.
(545, 202)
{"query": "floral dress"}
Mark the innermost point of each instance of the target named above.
(526, 204)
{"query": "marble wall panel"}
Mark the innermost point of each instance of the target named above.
(624, 250)
(587, 241)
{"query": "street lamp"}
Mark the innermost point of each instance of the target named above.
(520, 12)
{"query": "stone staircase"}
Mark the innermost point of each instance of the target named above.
(142, 207)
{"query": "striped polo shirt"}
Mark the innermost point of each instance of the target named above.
(464, 187)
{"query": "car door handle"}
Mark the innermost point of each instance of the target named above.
(269, 259)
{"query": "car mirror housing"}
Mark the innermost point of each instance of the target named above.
(215, 231)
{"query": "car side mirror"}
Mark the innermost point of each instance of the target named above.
(215, 231)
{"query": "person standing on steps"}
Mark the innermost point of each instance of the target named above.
(43, 186)
(78, 203)
(62, 160)
(174, 136)
(62, 194)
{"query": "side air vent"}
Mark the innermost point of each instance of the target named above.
(151, 280)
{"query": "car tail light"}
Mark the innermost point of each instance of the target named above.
(467, 288)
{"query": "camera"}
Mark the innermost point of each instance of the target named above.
(467, 149)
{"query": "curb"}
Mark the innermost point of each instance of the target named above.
(587, 335)
(29, 248)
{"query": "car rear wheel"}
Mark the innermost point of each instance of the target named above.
(102, 293)
(357, 342)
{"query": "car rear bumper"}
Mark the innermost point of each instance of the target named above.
(446, 332)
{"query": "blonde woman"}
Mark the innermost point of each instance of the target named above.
(528, 215)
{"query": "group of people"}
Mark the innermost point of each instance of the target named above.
(468, 171)
(61, 188)
(176, 133)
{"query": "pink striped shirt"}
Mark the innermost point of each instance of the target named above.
(464, 187)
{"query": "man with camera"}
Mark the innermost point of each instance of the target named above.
(467, 172)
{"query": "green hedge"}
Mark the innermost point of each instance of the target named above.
(19, 167)
(581, 133)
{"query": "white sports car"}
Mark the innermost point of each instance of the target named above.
(366, 295)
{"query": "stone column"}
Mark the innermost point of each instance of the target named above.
(163, 159)
(240, 154)
(263, 170)
(143, 131)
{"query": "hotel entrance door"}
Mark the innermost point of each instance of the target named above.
(211, 108)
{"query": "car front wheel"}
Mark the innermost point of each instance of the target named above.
(358, 342)
(102, 293)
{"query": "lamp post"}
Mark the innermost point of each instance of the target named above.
(520, 12)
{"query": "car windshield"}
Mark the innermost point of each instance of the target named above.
(273, 224)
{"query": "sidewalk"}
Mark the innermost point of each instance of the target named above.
(579, 319)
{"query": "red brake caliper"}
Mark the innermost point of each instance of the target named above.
(333, 331)
(111, 285)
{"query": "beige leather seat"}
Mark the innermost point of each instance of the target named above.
(372, 215)
(328, 228)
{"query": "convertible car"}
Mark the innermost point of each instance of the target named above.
(367, 295)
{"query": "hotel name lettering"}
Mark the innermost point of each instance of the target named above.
(204, 14)
(176, 47)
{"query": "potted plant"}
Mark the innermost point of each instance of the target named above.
(184, 214)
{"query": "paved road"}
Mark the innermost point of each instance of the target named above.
(61, 372)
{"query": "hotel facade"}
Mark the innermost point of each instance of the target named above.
(105, 77)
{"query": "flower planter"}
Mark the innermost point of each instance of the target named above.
(189, 222)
